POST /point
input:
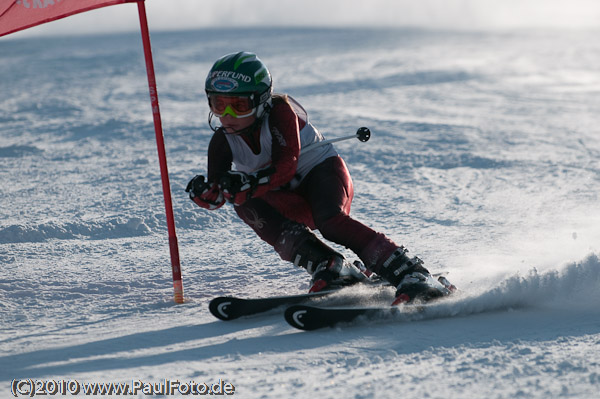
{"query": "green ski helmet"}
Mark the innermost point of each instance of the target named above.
(241, 74)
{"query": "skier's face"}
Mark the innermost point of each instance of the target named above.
(233, 124)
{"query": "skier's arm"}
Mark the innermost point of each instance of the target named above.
(206, 193)
(286, 144)
(220, 156)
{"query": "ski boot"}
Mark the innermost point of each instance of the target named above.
(412, 280)
(328, 268)
(336, 273)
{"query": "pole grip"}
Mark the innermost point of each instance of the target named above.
(363, 134)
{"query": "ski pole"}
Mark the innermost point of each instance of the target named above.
(362, 134)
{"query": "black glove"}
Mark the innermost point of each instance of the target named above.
(204, 194)
(197, 186)
(239, 187)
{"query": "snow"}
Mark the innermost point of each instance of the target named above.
(484, 161)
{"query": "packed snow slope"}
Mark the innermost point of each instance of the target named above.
(484, 161)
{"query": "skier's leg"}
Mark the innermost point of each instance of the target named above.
(294, 242)
(329, 190)
(330, 195)
(266, 221)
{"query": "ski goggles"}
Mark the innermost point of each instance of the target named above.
(236, 106)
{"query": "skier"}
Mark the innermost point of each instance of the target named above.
(283, 193)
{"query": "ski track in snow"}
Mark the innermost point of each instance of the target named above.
(484, 161)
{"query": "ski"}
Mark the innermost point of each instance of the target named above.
(230, 308)
(308, 318)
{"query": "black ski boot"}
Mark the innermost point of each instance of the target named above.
(412, 280)
(328, 268)
(337, 272)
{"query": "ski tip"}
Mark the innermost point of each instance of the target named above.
(221, 308)
(308, 318)
(296, 316)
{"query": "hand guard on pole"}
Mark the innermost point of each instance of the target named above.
(239, 187)
(206, 195)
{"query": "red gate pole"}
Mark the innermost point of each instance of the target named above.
(162, 157)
